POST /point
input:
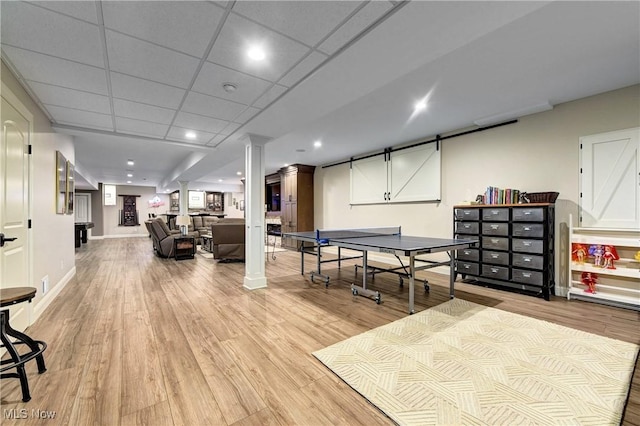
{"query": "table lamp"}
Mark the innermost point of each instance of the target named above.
(183, 222)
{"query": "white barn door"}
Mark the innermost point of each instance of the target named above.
(610, 180)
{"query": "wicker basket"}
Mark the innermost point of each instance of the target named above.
(542, 197)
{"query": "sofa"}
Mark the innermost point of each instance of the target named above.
(228, 240)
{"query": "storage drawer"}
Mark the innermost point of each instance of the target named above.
(527, 246)
(527, 277)
(468, 268)
(535, 230)
(490, 228)
(501, 215)
(527, 261)
(497, 272)
(469, 254)
(495, 257)
(471, 228)
(524, 214)
(467, 214)
(495, 243)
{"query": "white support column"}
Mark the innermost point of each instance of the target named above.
(254, 212)
(184, 197)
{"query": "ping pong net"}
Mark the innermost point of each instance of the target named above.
(326, 235)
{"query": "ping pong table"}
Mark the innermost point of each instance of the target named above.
(383, 240)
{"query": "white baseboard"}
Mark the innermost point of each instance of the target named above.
(51, 295)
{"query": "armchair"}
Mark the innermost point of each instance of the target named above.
(228, 240)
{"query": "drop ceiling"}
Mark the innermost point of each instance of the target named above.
(129, 79)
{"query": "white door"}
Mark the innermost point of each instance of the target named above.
(369, 180)
(415, 174)
(82, 207)
(610, 180)
(14, 202)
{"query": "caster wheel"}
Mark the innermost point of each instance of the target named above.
(426, 287)
(401, 282)
(354, 292)
(326, 284)
(378, 300)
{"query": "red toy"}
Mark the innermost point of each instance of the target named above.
(579, 252)
(610, 254)
(589, 279)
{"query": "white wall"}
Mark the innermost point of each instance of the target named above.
(52, 235)
(537, 154)
(230, 209)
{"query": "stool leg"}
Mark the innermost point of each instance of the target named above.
(29, 342)
(15, 356)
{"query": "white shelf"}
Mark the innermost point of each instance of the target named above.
(620, 286)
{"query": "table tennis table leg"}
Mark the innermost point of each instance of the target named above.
(362, 290)
(412, 271)
(452, 273)
(302, 261)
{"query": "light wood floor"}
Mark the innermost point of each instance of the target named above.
(135, 339)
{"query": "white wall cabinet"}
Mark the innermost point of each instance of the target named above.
(398, 176)
(617, 287)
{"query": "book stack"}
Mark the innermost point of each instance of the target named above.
(495, 195)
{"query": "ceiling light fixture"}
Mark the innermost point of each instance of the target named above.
(239, 173)
(219, 180)
(128, 181)
(229, 87)
(190, 135)
(317, 144)
(420, 105)
(129, 175)
(130, 163)
(256, 53)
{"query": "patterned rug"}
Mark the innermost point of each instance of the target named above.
(463, 363)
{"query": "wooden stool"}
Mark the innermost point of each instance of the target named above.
(11, 296)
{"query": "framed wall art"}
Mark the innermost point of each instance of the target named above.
(61, 183)
(70, 187)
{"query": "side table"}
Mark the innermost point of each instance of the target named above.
(8, 297)
(184, 247)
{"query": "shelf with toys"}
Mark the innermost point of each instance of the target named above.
(604, 265)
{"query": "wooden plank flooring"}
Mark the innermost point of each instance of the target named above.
(135, 339)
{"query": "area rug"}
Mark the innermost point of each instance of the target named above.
(463, 363)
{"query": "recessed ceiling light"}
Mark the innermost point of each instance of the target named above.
(129, 175)
(229, 87)
(128, 181)
(286, 165)
(219, 180)
(239, 173)
(317, 144)
(130, 163)
(256, 53)
(190, 135)
(420, 105)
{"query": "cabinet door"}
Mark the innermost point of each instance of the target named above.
(290, 187)
(289, 222)
(369, 181)
(609, 182)
(414, 174)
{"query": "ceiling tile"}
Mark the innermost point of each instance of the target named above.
(39, 30)
(177, 133)
(212, 76)
(60, 96)
(306, 21)
(145, 91)
(303, 68)
(246, 115)
(138, 111)
(212, 107)
(184, 26)
(141, 59)
(216, 140)
(239, 33)
(231, 127)
(142, 128)
(78, 117)
(270, 96)
(361, 20)
(85, 10)
(199, 122)
(60, 72)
